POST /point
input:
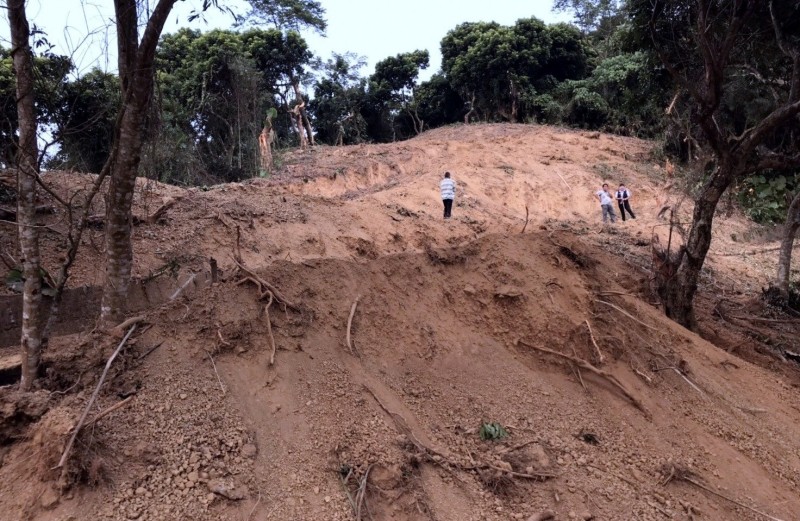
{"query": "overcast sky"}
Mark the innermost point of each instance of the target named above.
(374, 29)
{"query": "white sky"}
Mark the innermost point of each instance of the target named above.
(374, 29)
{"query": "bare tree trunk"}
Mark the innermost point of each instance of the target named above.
(781, 283)
(136, 78)
(471, 110)
(27, 172)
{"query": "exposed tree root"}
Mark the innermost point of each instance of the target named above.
(600, 357)
(350, 325)
(264, 287)
(79, 426)
(599, 372)
(679, 474)
(614, 306)
(442, 459)
(269, 330)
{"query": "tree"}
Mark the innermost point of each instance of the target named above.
(706, 45)
(392, 86)
(27, 163)
(287, 14)
(502, 69)
(782, 278)
(49, 77)
(135, 61)
(339, 97)
(589, 15)
(84, 121)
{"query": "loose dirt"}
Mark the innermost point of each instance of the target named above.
(451, 330)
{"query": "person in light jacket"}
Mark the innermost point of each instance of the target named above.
(448, 188)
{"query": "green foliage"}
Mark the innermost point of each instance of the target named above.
(505, 67)
(287, 14)
(766, 198)
(49, 76)
(492, 431)
(338, 100)
(84, 122)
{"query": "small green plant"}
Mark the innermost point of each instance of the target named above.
(492, 431)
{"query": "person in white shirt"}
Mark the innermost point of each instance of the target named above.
(623, 200)
(448, 188)
(607, 204)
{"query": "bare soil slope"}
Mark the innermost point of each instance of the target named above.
(613, 412)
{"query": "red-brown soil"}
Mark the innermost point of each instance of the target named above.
(448, 333)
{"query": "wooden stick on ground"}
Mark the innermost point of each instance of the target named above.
(269, 330)
(614, 306)
(600, 357)
(350, 325)
(108, 410)
(599, 372)
(79, 426)
(222, 387)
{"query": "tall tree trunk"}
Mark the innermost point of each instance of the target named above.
(27, 173)
(136, 79)
(781, 283)
(680, 288)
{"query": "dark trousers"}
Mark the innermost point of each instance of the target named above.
(448, 207)
(625, 205)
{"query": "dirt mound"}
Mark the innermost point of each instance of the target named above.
(545, 342)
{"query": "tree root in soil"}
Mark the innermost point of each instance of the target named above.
(676, 473)
(600, 358)
(350, 325)
(264, 287)
(599, 372)
(269, 331)
(80, 423)
(444, 460)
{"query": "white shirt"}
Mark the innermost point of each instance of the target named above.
(605, 197)
(623, 194)
(448, 188)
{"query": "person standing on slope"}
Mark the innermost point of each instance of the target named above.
(607, 204)
(623, 200)
(448, 189)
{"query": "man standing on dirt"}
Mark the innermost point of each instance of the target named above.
(623, 200)
(607, 204)
(448, 189)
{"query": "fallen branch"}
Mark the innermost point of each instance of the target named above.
(599, 372)
(614, 306)
(222, 387)
(178, 291)
(269, 330)
(108, 410)
(79, 426)
(149, 351)
(350, 325)
(680, 373)
(600, 357)
(564, 181)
